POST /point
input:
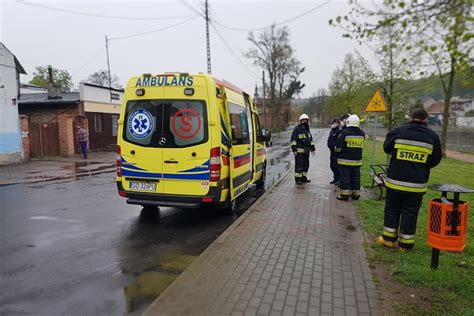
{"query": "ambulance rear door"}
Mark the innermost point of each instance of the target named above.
(187, 146)
(240, 152)
(141, 155)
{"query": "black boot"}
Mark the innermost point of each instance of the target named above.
(298, 181)
(305, 180)
(343, 197)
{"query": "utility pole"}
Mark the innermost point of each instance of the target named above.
(108, 66)
(208, 41)
(263, 101)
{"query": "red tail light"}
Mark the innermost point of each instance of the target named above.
(122, 193)
(215, 164)
(119, 162)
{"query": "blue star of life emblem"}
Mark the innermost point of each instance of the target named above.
(140, 124)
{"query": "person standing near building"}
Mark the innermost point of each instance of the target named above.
(414, 149)
(301, 145)
(333, 134)
(349, 146)
(83, 138)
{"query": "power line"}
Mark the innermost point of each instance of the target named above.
(99, 15)
(183, 2)
(274, 24)
(88, 61)
(153, 31)
(234, 53)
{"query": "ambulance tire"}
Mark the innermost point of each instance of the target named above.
(230, 207)
(150, 212)
(261, 182)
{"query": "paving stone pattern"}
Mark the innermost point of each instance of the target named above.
(297, 251)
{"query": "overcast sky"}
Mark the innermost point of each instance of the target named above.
(76, 43)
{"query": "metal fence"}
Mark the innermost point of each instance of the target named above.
(459, 139)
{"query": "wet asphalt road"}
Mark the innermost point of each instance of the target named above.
(75, 247)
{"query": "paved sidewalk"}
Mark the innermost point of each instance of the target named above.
(57, 167)
(297, 251)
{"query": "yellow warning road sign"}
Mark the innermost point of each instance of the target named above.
(376, 103)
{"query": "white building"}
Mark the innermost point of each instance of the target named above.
(10, 136)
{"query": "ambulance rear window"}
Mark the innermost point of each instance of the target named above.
(166, 123)
(186, 122)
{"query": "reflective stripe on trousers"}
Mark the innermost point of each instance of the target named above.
(405, 186)
(347, 162)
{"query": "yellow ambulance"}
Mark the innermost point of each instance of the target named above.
(187, 140)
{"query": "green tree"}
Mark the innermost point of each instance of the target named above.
(350, 86)
(438, 32)
(61, 78)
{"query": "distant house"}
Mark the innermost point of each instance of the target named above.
(459, 112)
(10, 130)
(102, 108)
(428, 102)
(54, 117)
(463, 108)
(51, 122)
(267, 119)
(27, 88)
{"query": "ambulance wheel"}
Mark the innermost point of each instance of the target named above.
(261, 182)
(150, 212)
(230, 207)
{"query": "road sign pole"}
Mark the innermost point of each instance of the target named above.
(375, 105)
(374, 134)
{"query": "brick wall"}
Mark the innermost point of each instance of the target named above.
(25, 139)
(66, 134)
(281, 120)
(45, 115)
(104, 138)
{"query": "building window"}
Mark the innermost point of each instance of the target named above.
(114, 125)
(115, 96)
(98, 122)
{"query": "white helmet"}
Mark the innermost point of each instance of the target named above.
(303, 117)
(353, 120)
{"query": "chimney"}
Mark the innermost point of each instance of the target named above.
(53, 91)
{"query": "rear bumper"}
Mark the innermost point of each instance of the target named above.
(180, 204)
(171, 200)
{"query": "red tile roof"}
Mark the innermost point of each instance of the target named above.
(435, 108)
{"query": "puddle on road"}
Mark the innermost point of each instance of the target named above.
(176, 263)
(150, 284)
(146, 288)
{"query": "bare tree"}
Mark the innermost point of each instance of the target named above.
(101, 78)
(273, 53)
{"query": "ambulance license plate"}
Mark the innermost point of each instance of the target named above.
(142, 186)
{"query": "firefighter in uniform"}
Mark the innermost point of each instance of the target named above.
(333, 134)
(301, 145)
(348, 149)
(415, 149)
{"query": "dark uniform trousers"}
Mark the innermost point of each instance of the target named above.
(401, 210)
(334, 166)
(301, 166)
(349, 180)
